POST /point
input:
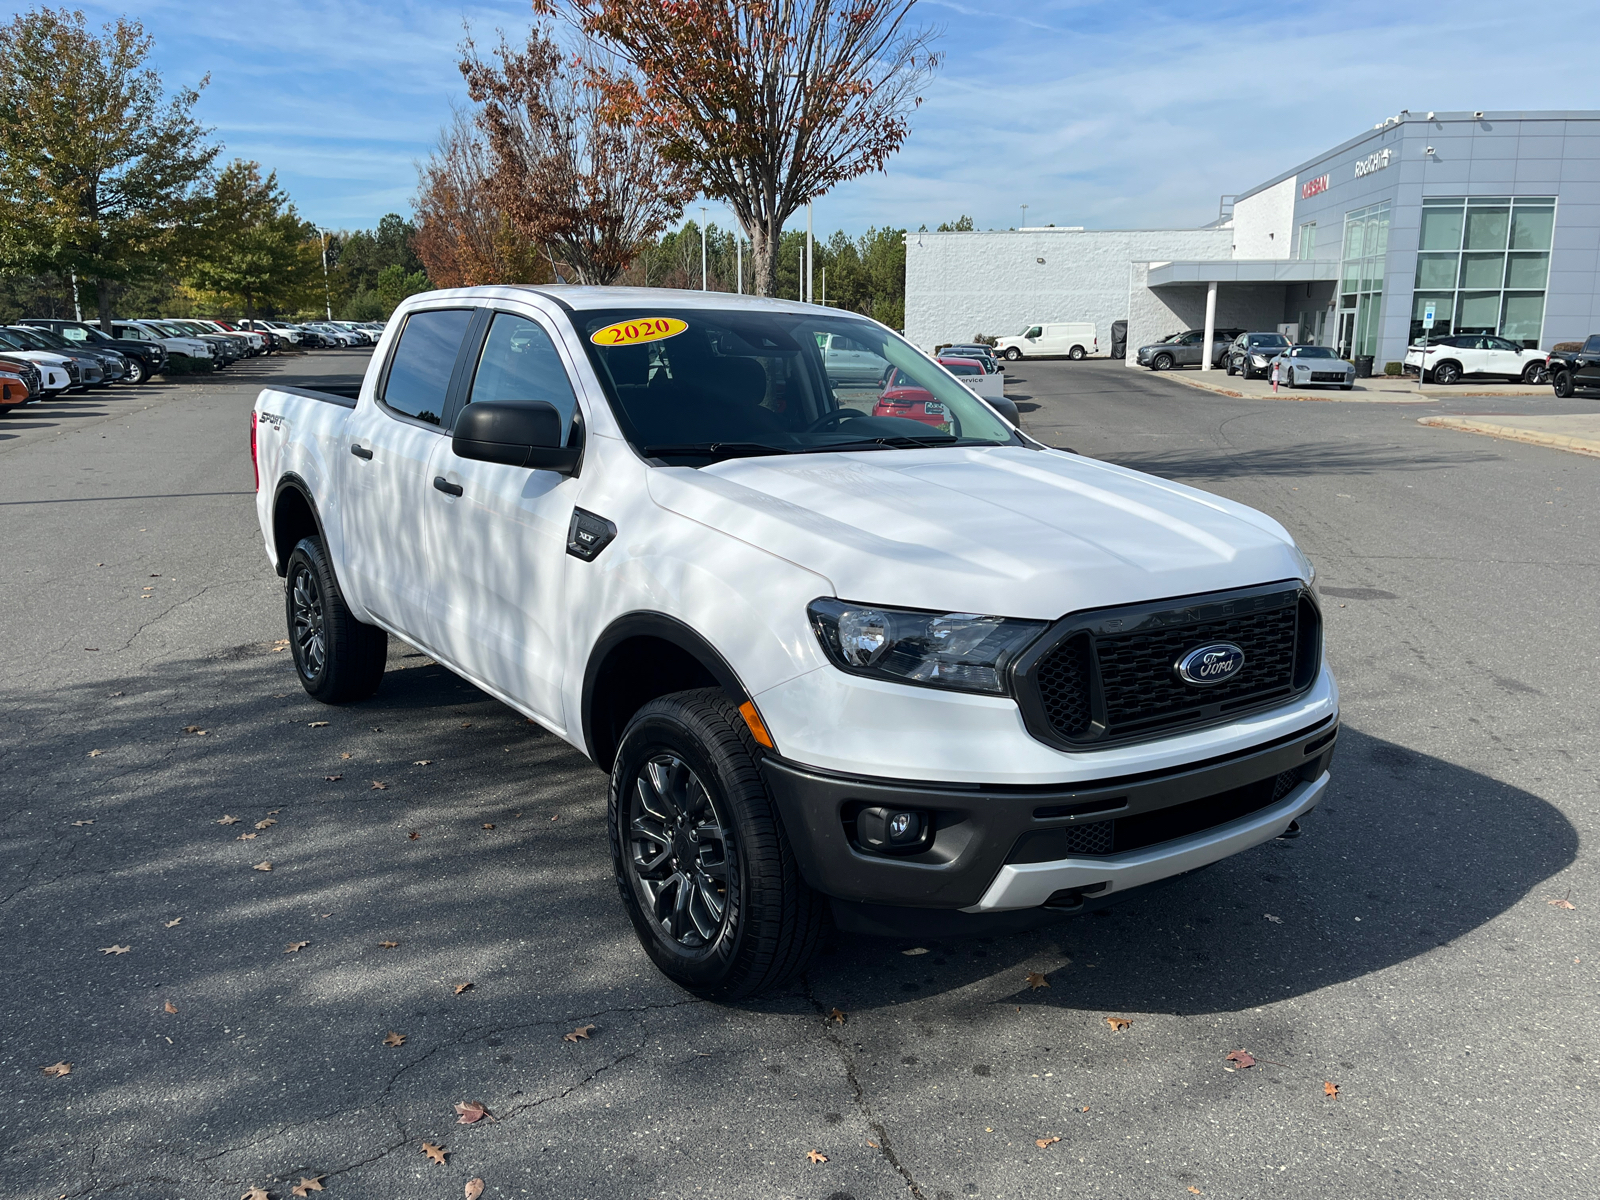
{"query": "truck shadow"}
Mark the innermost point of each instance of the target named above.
(1307, 458)
(1406, 855)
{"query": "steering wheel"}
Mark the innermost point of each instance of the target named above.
(832, 418)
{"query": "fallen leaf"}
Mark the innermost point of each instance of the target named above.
(170, 1007)
(1037, 981)
(306, 1186)
(57, 1070)
(395, 1039)
(378, 787)
(256, 1193)
(266, 823)
(474, 1189)
(115, 949)
(388, 945)
(82, 823)
(471, 1112)
(347, 754)
(316, 724)
(466, 724)
(247, 837)
(1194, 1189)
(333, 778)
(423, 762)
(1329, 1088)
(1561, 903)
(816, 1156)
(1118, 1024)
(196, 730)
(96, 753)
(582, 1031)
(174, 922)
(434, 1153)
(555, 816)
(837, 1017)
(1045, 1143)
(1243, 1059)
(227, 820)
(874, 1145)
(488, 824)
(1273, 919)
(295, 947)
(1085, 1108)
(272, 812)
(413, 835)
(461, 987)
(262, 866)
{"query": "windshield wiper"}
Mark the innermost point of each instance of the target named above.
(898, 441)
(713, 450)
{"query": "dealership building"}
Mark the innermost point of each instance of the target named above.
(1490, 219)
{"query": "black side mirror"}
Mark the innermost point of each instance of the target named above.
(519, 435)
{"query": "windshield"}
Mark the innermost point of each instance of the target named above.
(1269, 340)
(46, 338)
(689, 386)
(961, 368)
(1313, 352)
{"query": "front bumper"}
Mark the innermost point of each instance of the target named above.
(991, 846)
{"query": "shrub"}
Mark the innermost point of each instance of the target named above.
(985, 339)
(1566, 347)
(1394, 368)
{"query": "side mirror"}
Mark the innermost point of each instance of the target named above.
(518, 435)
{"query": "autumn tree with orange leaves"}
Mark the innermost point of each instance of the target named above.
(768, 103)
(573, 171)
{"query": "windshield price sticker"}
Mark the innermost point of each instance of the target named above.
(635, 332)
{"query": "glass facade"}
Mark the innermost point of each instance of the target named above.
(1366, 244)
(1483, 263)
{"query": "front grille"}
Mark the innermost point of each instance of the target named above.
(1151, 828)
(1327, 377)
(1111, 675)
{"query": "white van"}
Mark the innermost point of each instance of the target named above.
(1062, 339)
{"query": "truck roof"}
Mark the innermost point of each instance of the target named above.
(584, 298)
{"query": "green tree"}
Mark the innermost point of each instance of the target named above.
(99, 170)
(394, 284)
(962, 224)
(252, 246)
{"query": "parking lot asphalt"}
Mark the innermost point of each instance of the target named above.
(230, 1027)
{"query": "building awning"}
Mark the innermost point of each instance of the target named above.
(1243, 270)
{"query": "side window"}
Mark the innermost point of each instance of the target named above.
(1034, 332)
(419, 372)
(520, 363)
(73, 334)
(1192, 339)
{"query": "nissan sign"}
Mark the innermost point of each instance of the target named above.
(1311, 187)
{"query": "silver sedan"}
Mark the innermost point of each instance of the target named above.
(1312, 366)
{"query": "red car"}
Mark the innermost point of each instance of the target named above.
(901, 397)
(13, 389)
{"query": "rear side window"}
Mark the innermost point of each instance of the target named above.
(1592, 346)
(519, 364)
(419, 372)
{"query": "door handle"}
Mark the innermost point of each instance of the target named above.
(445, 486)
(360, 451)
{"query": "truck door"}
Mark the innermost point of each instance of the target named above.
(499, 544)
(387, 485)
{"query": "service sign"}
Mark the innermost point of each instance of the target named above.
(638, 330)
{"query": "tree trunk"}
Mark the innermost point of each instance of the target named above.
(250, 316)
(103, 286)
(763, 260)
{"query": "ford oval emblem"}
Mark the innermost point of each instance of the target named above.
(1211, 664)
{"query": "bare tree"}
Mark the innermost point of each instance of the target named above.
(574, 173)
(463, 237)
(769, 103)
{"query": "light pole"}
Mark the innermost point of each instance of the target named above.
(1024, 224)
(703, 287)
(327, 295)
(810, 283)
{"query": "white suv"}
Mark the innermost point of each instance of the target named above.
(1450, 359)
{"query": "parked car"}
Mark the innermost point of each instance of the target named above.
(1251, 354)
(231, 349)
(1569, 370)
(62, 372)
(905, 398)
(1451, 359)
(850, 362)
(144, 358)
(984, 354)
(1184, 349)
(254, 342)
(113, 366)
(1313, 366)
(834, 664)
(223, 352)
(176, 346)
(20, 382)
(970, 371)
(1070, 339)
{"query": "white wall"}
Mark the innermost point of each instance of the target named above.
(1153, 313)
(959, 285)
(1263, 224)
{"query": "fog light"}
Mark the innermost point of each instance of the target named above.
(890, 829)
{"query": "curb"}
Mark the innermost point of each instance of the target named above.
(1533, 437)
(1371, 396)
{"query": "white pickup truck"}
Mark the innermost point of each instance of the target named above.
(906, 673)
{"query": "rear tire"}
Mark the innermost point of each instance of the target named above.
(701, 859)
(1446, 373)
(1076, 354)
(1561, 383)
(338, 658)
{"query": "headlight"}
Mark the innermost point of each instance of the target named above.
(1309, 569)
(964, 652)
(1258, 360)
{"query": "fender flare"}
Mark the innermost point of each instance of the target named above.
(291, 482)
(664, 628)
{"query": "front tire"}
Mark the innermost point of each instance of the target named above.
(1535, 373)
(1013, 354)
(1161, 362)
(137, 371)
(1561, 383)
(701, 859)
(338, 658)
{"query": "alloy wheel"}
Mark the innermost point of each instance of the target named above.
(680, 852)
(310, 636)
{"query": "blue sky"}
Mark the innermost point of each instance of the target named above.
(1107, 115)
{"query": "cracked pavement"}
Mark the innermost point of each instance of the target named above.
(1402, 948)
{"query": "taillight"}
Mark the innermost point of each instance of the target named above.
(255, 464)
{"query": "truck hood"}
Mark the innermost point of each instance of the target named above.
(1008, 531)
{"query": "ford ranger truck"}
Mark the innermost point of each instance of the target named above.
(840, 666)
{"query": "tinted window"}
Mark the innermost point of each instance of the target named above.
(1034, 332)
(419, 373)
(73, 334)
(1592, 346)
(519, 364)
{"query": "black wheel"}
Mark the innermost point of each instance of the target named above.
(1446, 373)
(1561, 381)
(701, 859)
(339, 659)
(1076, 353)
(1013, 354)
(1535, 373)
(1161, 362)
